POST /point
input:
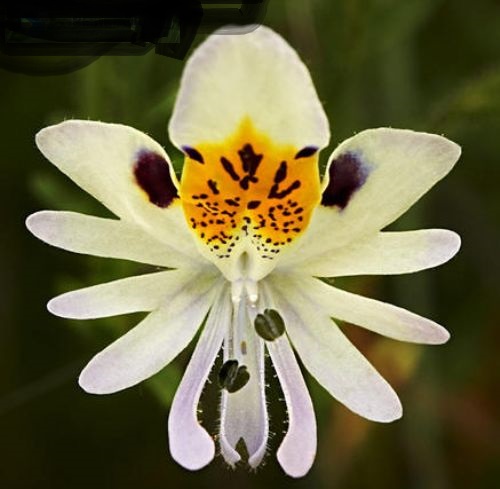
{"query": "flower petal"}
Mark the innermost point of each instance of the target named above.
(384, 254)
(255, 76)
(190, 444)
(298, 449)
(371, 179)
(152, 344)
(108, 238)
(380, 317)
(133, 294)
(123, 168)
(244, 413)
(331, 358)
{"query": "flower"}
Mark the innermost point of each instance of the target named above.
(244, 235)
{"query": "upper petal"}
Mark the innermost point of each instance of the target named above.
(123, 168)
(373, 178)
(256, 76)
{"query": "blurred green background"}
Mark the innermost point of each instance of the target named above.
(430, 65)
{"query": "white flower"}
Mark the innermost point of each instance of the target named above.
(246, 231)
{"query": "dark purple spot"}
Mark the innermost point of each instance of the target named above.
(152, 174)
(305, 152)
(280, 175)
(228, 166)
(253, 204)
(275, 193)
(194, 154)
(347, 175)
(213, 187)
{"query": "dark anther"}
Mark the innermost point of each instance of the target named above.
(269, 324)
(233, 377)
(305, 152)
(194, 154)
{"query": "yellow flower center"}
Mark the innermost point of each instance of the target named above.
(247, 189)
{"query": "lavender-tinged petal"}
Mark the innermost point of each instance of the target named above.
(298, 449)
(332, 359)
(244, 413)
(190, 444)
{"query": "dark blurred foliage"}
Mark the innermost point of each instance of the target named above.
(431, 65)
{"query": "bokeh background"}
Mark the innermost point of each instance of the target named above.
(430, 65)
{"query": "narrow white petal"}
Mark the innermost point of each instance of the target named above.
(384, 254)
(190, 444)
(133, 294)
(244, 413)
(298, 449)
(152, 344)
(108, 238)
(255, 75)
(380, 317)
(331, 358)
(103, 159)
(371, 179)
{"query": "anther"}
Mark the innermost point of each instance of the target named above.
(233, 377)
(269, 325)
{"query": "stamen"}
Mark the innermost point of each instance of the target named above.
(269, 325)
(233, 377)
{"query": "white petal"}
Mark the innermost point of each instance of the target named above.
(331, 358)
(104, 237)
(190, 444)
(384, 254)
(256, 76)
(244, 413)
(376, 316)
(393, 167)
(152, 344)
(102, 158)
(133, 294)
(298, 449)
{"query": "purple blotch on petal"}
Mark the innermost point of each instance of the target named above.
(347, 174)
(305, 152)
(152, 174)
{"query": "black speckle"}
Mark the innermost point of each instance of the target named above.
(305, 152)
(152, 174)
(347, 175)
(280, 174)
(253, 204)
(212, 185)
(194, 154)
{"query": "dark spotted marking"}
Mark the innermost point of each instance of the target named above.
(231, 202)
(212, 185)
(152, 174)
(194, 154)
(347, 175)
(305, 152)
(274, 193)
(228, 166)
(253, 204)
(249, 159)
(280, 173)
